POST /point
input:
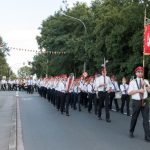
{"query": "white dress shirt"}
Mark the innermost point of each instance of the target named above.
(114, 86)
(90, 88)
(100, 80)
(61, 87)
(133, 86)
(124, 88)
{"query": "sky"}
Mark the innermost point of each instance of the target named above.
(19, 23)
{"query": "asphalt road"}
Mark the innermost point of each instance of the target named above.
(44, 128)
(7, 107)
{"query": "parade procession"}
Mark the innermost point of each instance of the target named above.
(75, 75)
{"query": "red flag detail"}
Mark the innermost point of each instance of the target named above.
(147, 40)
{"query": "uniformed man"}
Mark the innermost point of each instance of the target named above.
(103, 85)
(30, 85)
(3, 84)
(138, 89)
(69, 88)
(125, 98)
(96, 101)
(114, 89)
(62, 88)
(91, 94)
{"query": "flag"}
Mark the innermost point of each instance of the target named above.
(147, 39)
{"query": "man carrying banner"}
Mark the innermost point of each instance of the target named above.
(69, 86)
(138, 89)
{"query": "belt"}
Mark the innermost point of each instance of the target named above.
(138, 99)
(103, 91)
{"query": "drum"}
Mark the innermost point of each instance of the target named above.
(118, 95)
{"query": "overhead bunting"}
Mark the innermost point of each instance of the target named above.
(39, 51)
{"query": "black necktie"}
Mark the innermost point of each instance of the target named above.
(140, 84)
(104, 83)
(125, 89)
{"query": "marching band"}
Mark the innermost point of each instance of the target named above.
(92, 93)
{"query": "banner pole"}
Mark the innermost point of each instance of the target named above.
(143, 39)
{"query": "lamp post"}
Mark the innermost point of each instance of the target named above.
(85, 34)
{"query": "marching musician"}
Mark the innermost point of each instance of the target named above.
(138, 89)
(69, 88)
(103, 85)
(62, 88)
(114, 89)
(91, 94)
(125, 98)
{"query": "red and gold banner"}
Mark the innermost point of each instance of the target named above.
(147, 40)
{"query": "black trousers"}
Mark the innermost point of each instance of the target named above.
(112, 98)
(48, 94)
(3, 87)
(68, 100)
(96, 103)
(29, 89)
(57, 98)
(136, 106)
(62, 102)
(125, 99)
(103, 98)
(53, 97)
(90, 101)
(75, 100)
(72, 99)
(79, 101)
(85, 99)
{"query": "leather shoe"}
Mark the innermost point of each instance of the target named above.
(108, 120)
(147, 139)
(99, 118)
(67, 114)
(131, 135)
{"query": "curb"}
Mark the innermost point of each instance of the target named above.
(15, 139)
(13, 131)
(20, 145)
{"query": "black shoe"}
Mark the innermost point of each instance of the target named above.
(99, 118)
(147, 139)
(67, 115)
(118, 110)
(108, 120)
(79, 109)
(75, 108)
(131, 134)
(121, 112)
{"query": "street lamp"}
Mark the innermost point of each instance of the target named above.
(85, 34)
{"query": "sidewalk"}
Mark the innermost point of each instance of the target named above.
(7, 109)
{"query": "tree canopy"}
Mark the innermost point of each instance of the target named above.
(114, 31)
(4, 67)
(24, 72)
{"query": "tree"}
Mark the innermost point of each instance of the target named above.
(114, 30)
(4, 67)
(24, 72)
